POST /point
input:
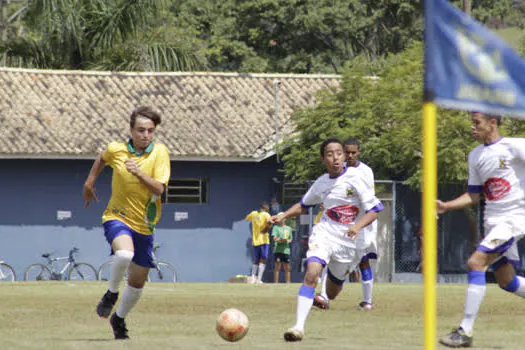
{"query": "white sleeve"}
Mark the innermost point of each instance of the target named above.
(313, 195)
(473, 175)
(366, 195)
(518, 148)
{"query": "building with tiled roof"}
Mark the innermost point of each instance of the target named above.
(220, 129)
(206, 116)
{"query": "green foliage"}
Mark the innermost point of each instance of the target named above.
(384, 113)
(98, 34)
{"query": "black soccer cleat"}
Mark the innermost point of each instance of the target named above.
(106, 304)
(365, 306)
(119, 327)
(456, 339)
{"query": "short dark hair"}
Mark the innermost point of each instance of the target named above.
(146, 112)
(490, 116)
(352, 141)
(264, 205)
(327, 142)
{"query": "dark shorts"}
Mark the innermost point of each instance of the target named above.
(260, 252)
(281, 257)
(143, 244)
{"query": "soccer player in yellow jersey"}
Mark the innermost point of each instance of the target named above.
(141, 171)
(260, 240)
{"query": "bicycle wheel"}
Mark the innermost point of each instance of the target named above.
(7, 273)
(164, 272)
(104, 271)
(37, 272)
(82, 272)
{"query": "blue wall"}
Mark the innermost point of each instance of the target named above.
(211, 246)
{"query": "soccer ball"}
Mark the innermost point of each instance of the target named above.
(232, 325)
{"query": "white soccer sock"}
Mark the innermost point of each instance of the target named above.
(367, 290)
(121, 260)
(475, 295)
(261, 271)
(323, 283)
(305, 300)
(254, 270)
(130, 297)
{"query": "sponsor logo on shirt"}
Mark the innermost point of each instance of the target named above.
(503, 163)
(344, 214)
(496, 188)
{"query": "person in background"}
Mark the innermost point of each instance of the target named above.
(282, 237)
(260, 240)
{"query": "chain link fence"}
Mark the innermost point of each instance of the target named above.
(458, 232)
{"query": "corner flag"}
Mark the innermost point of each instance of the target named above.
(468, 67)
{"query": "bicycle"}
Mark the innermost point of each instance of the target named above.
(70, 271)
(7, 273)
(162, 272)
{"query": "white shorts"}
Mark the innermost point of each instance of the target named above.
(339, 258)
(502, 236)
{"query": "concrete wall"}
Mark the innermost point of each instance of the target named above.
(212, 245)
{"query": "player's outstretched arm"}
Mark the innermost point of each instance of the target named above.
(88, 190)
(294, 210)
(465, 200)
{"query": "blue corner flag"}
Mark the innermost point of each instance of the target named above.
(468, 67)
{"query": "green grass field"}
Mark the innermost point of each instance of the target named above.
(60, 315)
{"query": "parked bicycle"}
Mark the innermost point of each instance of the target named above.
(71, 270)
(7, 273)
(162, 272)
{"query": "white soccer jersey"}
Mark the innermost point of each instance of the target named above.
(344, 198)
(498, 170)
(369, 232)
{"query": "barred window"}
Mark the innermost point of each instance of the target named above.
(186, 191)
(293, 192)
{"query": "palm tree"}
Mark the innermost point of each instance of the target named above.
(97, 34)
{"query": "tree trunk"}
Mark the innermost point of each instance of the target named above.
(467, 6)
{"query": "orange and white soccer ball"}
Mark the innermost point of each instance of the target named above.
(232, 325)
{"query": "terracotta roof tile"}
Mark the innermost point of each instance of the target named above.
(74, 114)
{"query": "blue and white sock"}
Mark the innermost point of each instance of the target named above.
(475, 294)
(323, 283)
(305, 300)
(516, 286)
(367, 283)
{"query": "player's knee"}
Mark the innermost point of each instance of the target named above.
(123, 257)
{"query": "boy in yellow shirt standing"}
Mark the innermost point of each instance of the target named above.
(260, 240)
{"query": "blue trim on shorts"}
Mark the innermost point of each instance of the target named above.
(367, 274)
(477, 277)
(142, 244)
(499, 249)
(260, 252)
(334, 279)
(513, 285)
(307, 292)
(314, 259)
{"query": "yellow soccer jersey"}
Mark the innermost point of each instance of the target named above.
(131, 202)
(260, 227)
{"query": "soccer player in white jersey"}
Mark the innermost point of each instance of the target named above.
(496, 169)
(334, 240)
(352, 150)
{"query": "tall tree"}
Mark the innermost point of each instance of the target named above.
(106, 34)
(384, 113)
